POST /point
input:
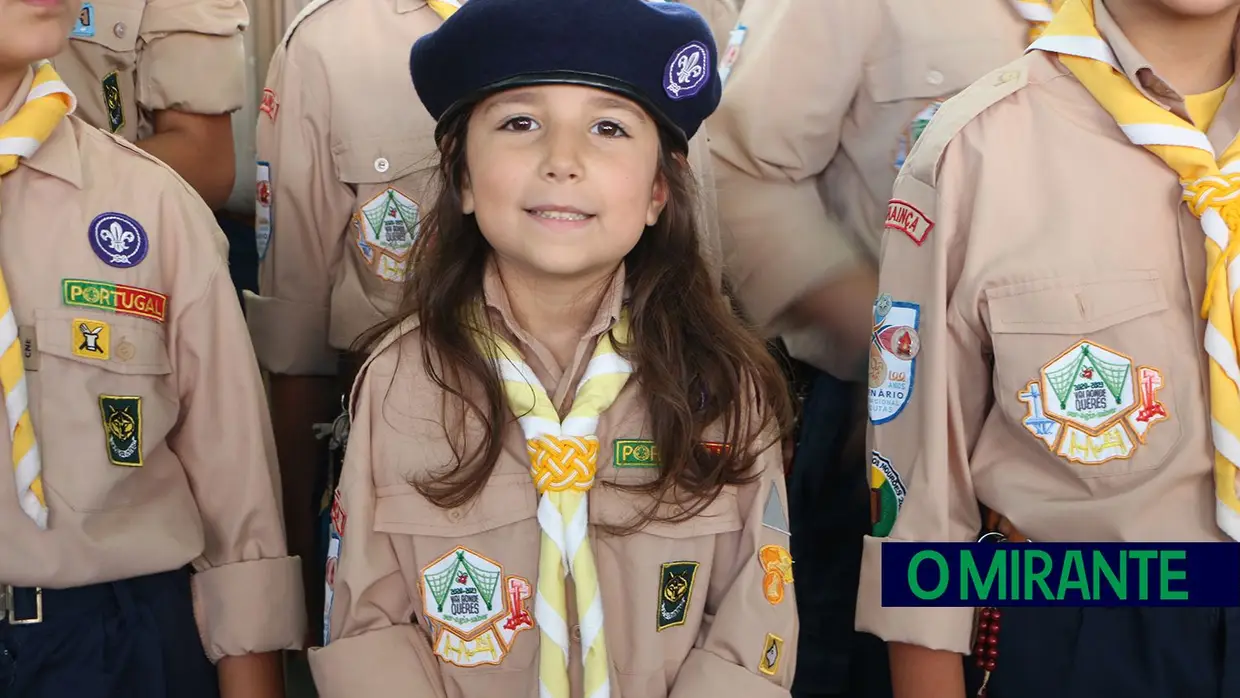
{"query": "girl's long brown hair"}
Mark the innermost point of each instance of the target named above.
(696, 363)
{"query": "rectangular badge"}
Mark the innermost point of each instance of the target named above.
(126, 300)
(122, 429)
(772, 652)
(30, 347)
(262, 200)
(85, 26)
(675, 593)
(906, 218)
(635, 453)
(91, 339)
(112, 100)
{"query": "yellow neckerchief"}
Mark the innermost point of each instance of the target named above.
(1204, 107)
(1212, 191)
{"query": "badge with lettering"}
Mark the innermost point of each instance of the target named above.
(116, 298)
(112, 101)
(118, 240)
(908, 219)
(913, 131)
(894, 345)
(1091, 404)
(477, 610)
(262, 208)
(390, 222)
(122, 429)
(733, 51)
(84, 28)
(29, 338)
(91, 339)
(675, 593)
(777, 565)
(772, 652)
(886, 495)
(634, 453)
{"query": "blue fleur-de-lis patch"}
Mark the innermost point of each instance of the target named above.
(687, 71)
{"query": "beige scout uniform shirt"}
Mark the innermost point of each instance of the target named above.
(1060, 379)
(130, 58)
(344, 176)
(821, 102)
(145, 396)
(685, 607)
(720, 15)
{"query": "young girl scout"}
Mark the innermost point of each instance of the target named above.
(563, 477)
(1057, 248)
(142, 495)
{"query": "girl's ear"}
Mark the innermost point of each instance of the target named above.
(658, 199)
(467, 195)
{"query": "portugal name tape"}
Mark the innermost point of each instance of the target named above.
(1060, 574)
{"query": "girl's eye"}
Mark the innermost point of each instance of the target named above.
(520, 123)
(610, 129)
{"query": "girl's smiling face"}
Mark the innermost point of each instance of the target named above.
(562, 179)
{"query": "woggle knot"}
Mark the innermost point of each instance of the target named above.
(1216, 191)
(560, 465)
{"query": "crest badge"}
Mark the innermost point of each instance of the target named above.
(675, 593)
(91, 339)
(476, 610)
(894, 347)
(84, 28)
(122, 429)
(687, 71)
(112, 100)
(387, 226)
(118, 240)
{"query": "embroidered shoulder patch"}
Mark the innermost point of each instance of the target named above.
(112, 101)
(777, 564)
(91, 339)
(478, 612)
(634, 453)
(122, 428)
(886, 495)
(262, 208)
(387, 226)
(893, 352)
(772, 652)
(1091, 404)
(906, 218)
(84, 28)
(675, 593)
(116, 298)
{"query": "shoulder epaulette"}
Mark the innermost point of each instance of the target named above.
(305, 12)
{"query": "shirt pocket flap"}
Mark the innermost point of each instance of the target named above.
(112, 25)
(119, 344)
(381, 160)
(506, 499)
(1075, 306)
(933, 69)
(622, 509)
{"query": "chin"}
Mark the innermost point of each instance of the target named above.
(25, 45)
(1198, 8)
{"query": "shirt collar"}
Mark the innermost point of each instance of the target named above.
(58, 156)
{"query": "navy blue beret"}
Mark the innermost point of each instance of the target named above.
(658, 54)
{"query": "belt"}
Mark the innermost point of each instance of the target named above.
(8, 606)
(26, 605)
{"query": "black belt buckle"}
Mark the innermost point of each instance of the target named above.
(8, 596)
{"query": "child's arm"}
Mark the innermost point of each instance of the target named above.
(747, 648)
(374, 650)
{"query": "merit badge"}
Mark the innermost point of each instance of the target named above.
(112, 100)
(905, 217)
(122, 428)
(85, 26)
(886, 495)
(894, 347)
(262, 201)
(675, 593)
(91, 339)
(913, 131)
(387, 227)
(772, 650)
(687, 71)
(118, 240)
(270, 104)
(773, 516)
(733, 51)
(478, 610)
(1091, 405)
(634, 453)
(777, 564)
(116, 298)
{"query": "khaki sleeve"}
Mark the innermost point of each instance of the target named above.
(776, 130)
(920, 457)
(191, 56)
(709, 242)
(309, 213)
(247, 590)
(374, 649)
(747, 648)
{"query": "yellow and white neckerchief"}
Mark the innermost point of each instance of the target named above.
(1038, 13)
(1212, 191)
(444, 8)
(47, 104)
(563, 461)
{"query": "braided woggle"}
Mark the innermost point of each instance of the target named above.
(1216, 191)
(563, 464)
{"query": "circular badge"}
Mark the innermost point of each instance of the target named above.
(882, 306)
(905, 343)
(118, 240)
(687, 71)
(878, 367)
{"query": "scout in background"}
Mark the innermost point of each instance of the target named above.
(563, 476)
(1054, 255)
(823, 101)
(342, 191)
(141, 547)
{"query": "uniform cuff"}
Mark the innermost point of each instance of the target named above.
(376, 664)
(949, 629)
(290, 338)
(250, 607)
(783, 243)
(706, 674)
(193, 73)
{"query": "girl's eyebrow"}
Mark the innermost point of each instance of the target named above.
(604, 102)
(532, 98)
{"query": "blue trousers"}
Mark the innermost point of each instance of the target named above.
(135, 638)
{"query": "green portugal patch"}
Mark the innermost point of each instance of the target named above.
(675, 593)
(122, 429)
(635, 453)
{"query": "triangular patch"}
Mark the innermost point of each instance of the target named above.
(773, 516)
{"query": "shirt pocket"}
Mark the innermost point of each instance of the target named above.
(474, 569)
(1081, 370)
(656, 579)
(104, 408)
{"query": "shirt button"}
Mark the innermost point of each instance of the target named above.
(454, 514)
(577, 633)
(381, 165)
(934, 77)
(119, 30)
